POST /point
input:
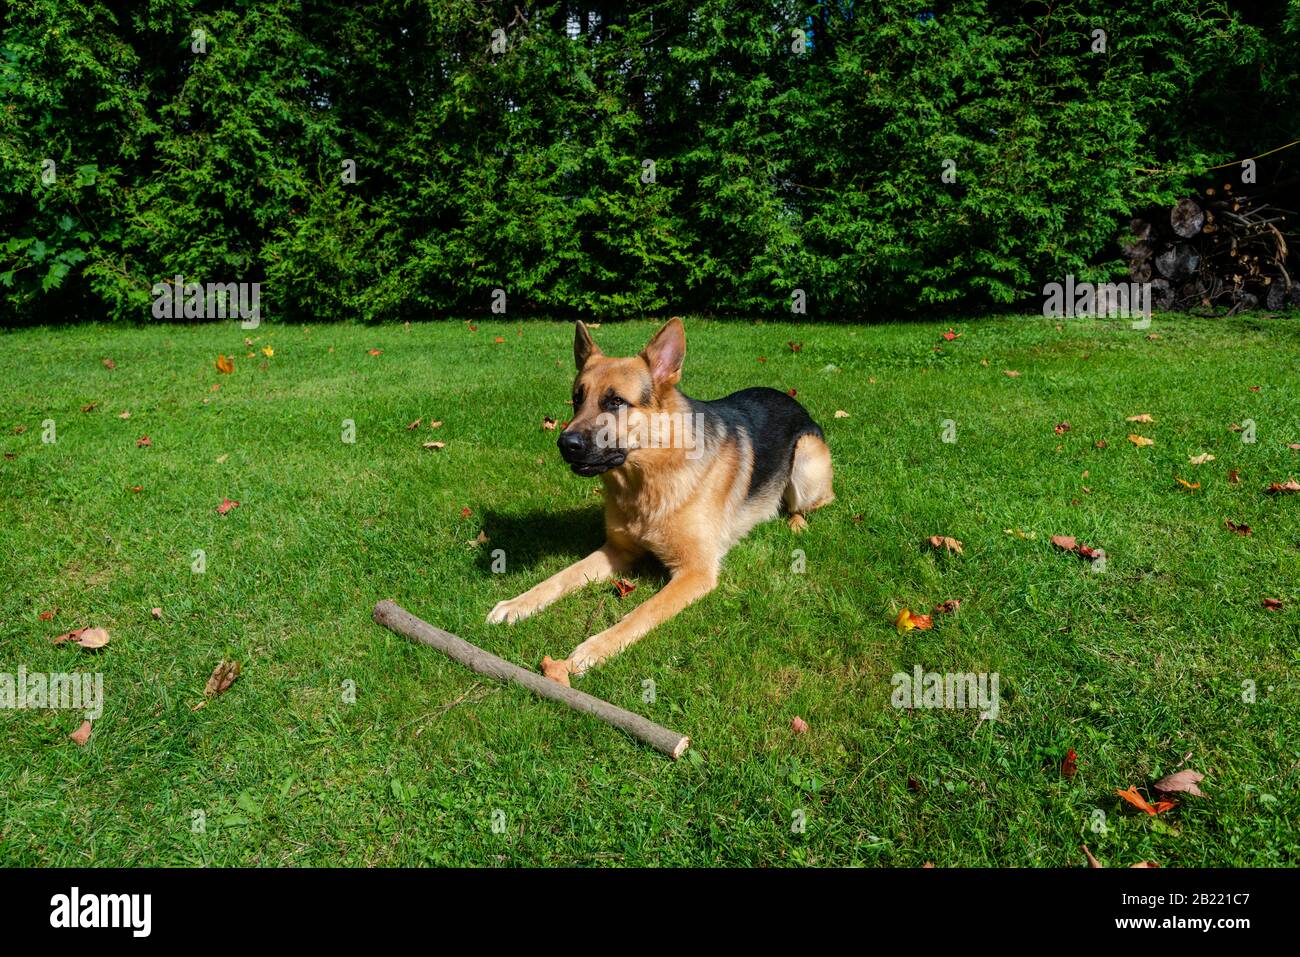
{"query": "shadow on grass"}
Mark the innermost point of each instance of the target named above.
(533, 536)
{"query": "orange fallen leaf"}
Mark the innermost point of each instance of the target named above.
(799, 725)
(1061, 428)
(1010, 373)
(466, 512)
(1234, 477)
(415, 424)
(225, 364)
(557, 671)
(945, 543)
(82, 734)
(906, 621)
(226, 505)
(1140, 440)
(109, 363)
(89, 408)
(1065, 542)
(1184, 482)
(792, 392)
(795, 346)
(624, 587)
(47, 615)
(500, 339)
(1141, 803)
(548, 424)
(1141, 417)
(143, 442)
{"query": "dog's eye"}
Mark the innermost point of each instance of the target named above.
(616, 400)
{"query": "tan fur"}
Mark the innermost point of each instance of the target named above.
(686, 511)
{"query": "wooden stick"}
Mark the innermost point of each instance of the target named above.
(398, 619)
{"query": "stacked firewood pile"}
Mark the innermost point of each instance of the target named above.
(1214, 250)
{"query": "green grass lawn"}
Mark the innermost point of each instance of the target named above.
(1134, 667)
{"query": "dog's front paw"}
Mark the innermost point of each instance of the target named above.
(509, 611)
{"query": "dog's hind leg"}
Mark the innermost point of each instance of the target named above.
(810, 480)
(600, 565)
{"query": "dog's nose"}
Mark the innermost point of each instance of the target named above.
(570, 443)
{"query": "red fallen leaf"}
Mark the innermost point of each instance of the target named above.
(795, 346)
(1254, 388)
(799, 725)
(1092, 554)
(82, 734)
(1139, 802)
(473, 328)
(415, 425)
(1092, 861)
(89, 408)
(624, 587)
(1234, 527)
(1070, 765)
(499, 339)
(1181, 782)
(466, 512)
(792, 392)
(1065, 542)
(564, 425)
(226, 505)
(1061, 428)
(376, 352)
(1273, 604)
(947, 607)
(143, 442)
(950, 335)
(1234, 477)
(109, 363)
(225, 364)
(1282, 488)
(46, 615)
(548, 424)
(137, 488)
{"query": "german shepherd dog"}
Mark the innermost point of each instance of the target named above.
(684, 479)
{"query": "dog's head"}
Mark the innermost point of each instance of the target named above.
(613, 398)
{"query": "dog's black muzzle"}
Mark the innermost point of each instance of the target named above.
(585, 458)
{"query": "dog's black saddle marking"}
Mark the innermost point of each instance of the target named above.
(772, 422)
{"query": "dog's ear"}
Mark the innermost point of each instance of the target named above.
(665, 351)
(584, 347)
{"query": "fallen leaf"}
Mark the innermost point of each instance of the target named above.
(841, 414)
(46, 615)
(1181, 782)
(1010, 373)
(223, 676)
(795, 346)
(1200, 459)
(1065, 542)
(435, 445)
(906, 621)
(1141, 417)
(945, 543)
(124, 414)
(225, 364)
(548, 424)
(143, 442)
(1019, 534)
(947, 607)
(109, 363)
(415, 424)
(1092, 861)
(1061, 428)
(792, 392)
(376, 352)
(624, 587)
(1139, 440)
(89, 408)
(1144, 864)
(482, 539)
(86, 637)
(1234, 527)
(1234, 427)
(1187, 484)
(1139, 802)
(950, 335)
(1234, 477)
(1273, 604)
(1092, 554)
(466, 512)
(222, 458)
(557, 671)
(1254, 388)
(268, 351)
(799, 725)
(1070, 766)
(1281, 488)
(1294, 446)
(82, 734)
(226, 505)
(1099, 444)
(137, 488)
(436, 424)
